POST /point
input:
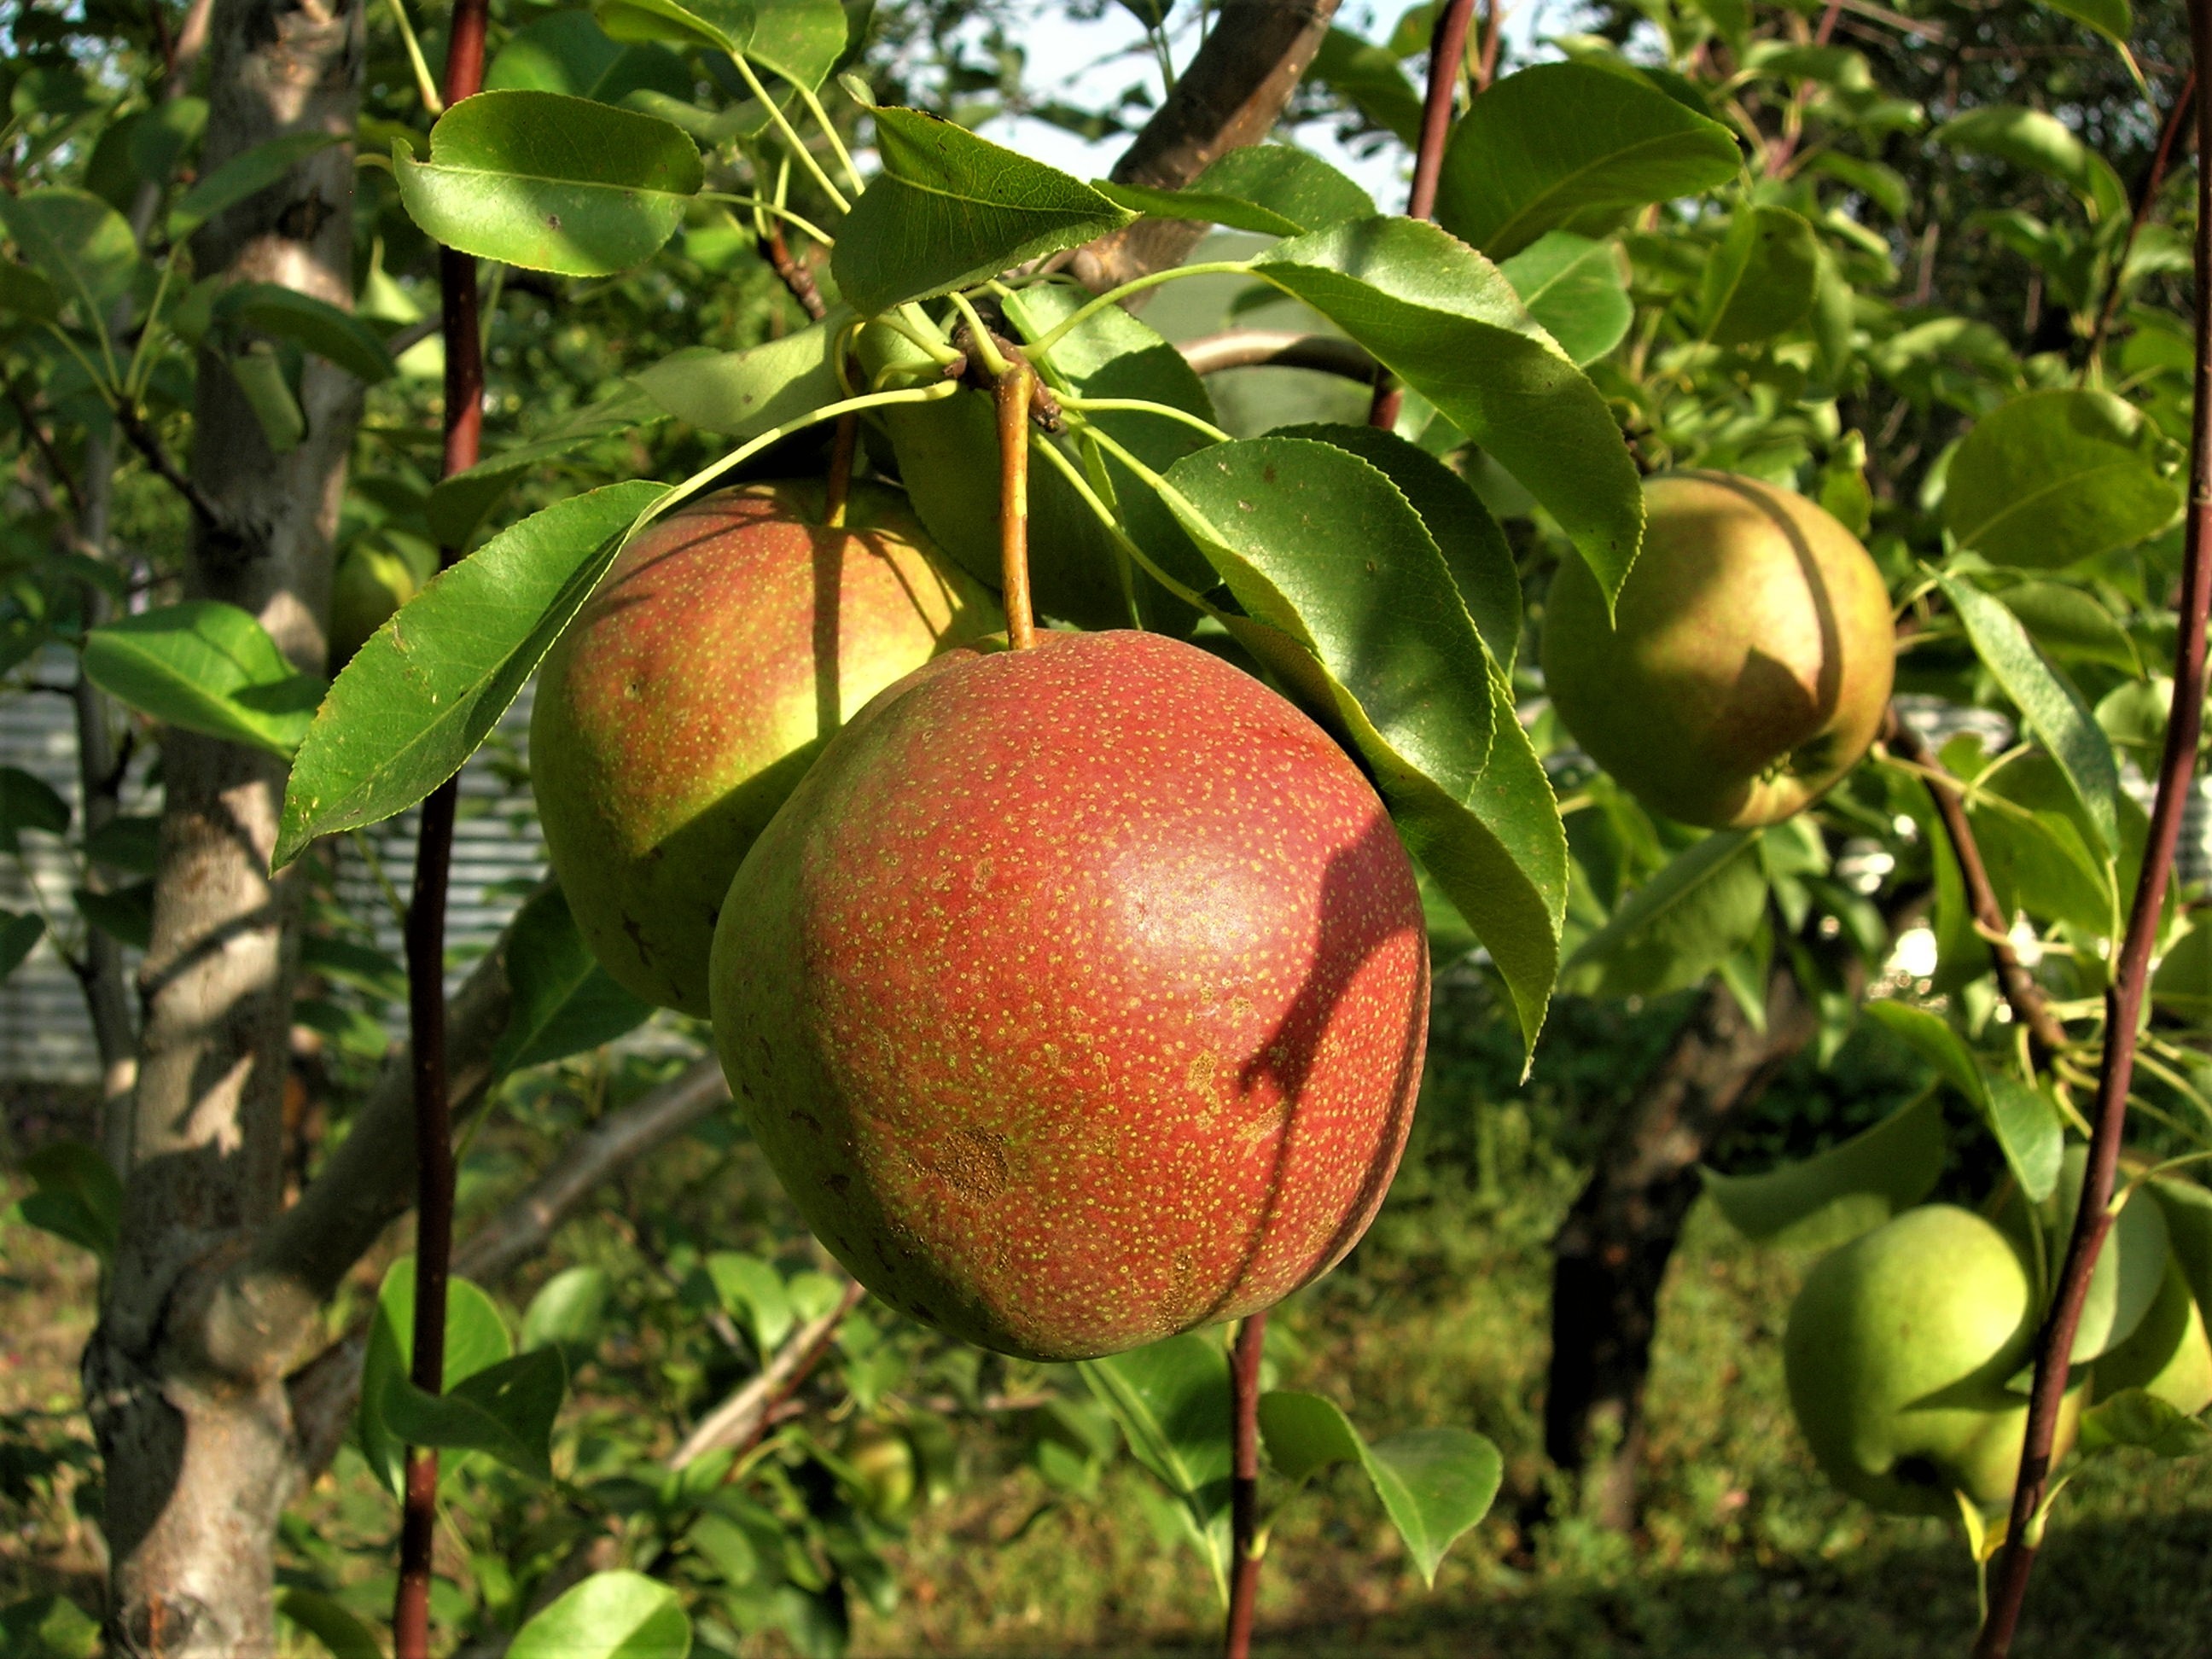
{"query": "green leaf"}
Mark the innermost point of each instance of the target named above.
(350, 962)
(417, 699)
(476, 1340)
(458, 504)
(1292, 182)
(2182, 986)
(1206, 207)
(28, 294)
(551, 182)
(247, 174)
(1351, 602)
(568, 1309)
(288, 314)
(342, 1634)
(744, 393)
(1434, 1483)
(505, 1411)
(81, 245)
(2026, 1124)
(2110, 18)
(800, 39)
(610, 1616)
(208, 667)
(74, 1195)
(29, 802)
(2054, 477)
(723, 25)
(1444, 319)
(1885, 187)
(2042, 143)
(1474, 549)
(1675, 928)
(564, 1002)
(48, 1628)
(1557, 140)
(261, 376)
(1833, 1197)
(1577, 288)
(2068, 622)
(751, 1289)
(2047, 701)
(1171, 1403)
(1368, 77)
(125, 915)
(1760, 280)
(19, 936)
(567, 52)
(2134, 1418)
(950, 209)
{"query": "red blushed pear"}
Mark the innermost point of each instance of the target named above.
(696, 686)
(1748, 664)
(1078, 995)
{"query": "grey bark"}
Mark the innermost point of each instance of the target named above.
(194, 1432)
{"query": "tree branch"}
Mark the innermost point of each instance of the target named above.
(1231, 95)
(2146, 200)
(1257, 348)
(2028, 1004)
(142, 439)
(738, 1420)
(2124, 997)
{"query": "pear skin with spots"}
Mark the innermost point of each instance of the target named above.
(1078, 995)
(1748, 662)
(698, 685)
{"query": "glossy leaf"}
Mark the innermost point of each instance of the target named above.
(2047, 701)
(417, 699)
(81, 245)
(568, 1309)
(1760, 280)
(1442, 317)
(1474, 549)
(1557, 140)
(74, 1195)
(1435, 1484)
(1833, 1197)
(1675, 928)
(723, 25)
(208, 667)
(1577, 288)
(744, 393)
(1351, 602)
(551, 183)
(950, 208)
(564, 1002)
(247, 174)
(568, 53)
(610, 1616)
(505, 1411)
(476, 1339)
(2057, 476)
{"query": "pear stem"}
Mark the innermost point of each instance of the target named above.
(1011, 394)
(2124, 1000)
(1244, 1546)
(837, 491)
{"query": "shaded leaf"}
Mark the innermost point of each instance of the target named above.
(80, 245)
(568, 53)
(505, 1411)
(1760, 280)
(339, 336)
(1369, 78)
(19, 935)
(1833, 1197)
(29, 802)
(564, 1002)
(2134, 1418)
(476, 1339)
(342, 1634)
(2042, 143)
(1675, 928)
(74, 1195)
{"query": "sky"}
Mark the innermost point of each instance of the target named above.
(1091, 64)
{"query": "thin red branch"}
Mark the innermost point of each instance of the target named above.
(1244, 1484)
(2124, 1000)
(144, 440)
(2025, 997)
(1013, 393)
(795, 277)
(2153, 180)
(426, 927)
(1446, 63)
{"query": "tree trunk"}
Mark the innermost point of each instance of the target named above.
(1611, 1255)
(185, 1383)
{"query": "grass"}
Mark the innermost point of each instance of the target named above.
(1438, 1318)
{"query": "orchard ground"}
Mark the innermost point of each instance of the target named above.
(1438, 1317)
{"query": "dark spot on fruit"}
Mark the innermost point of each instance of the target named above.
(974, 1162)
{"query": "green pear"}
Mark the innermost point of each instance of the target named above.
(2169, 1355)
(1748, 663)
(369, 585)
(1078, 995)
(694, 688)
(882, 1459)
(1897, 1355)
